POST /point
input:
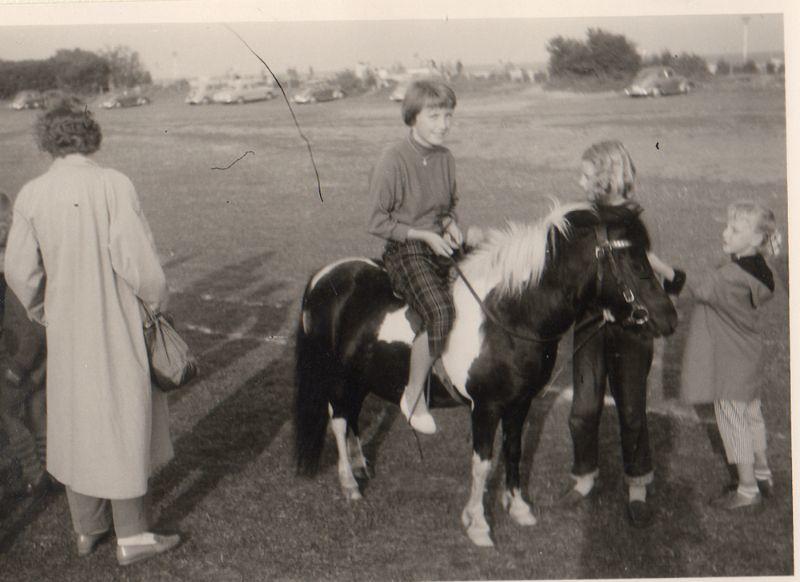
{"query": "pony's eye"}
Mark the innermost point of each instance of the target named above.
(640, 269)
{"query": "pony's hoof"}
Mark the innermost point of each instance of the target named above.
(362, 473)
(523, 517)
(480, 537)
(518, 509)
(353, 494)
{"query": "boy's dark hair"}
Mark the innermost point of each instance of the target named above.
(426, 92)
(68, 127)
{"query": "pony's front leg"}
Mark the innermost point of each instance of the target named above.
(513, 502)
(346, 478)
(484, 426)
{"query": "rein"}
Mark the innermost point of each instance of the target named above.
(491, 316)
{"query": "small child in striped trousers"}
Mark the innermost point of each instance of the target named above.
(721, 362)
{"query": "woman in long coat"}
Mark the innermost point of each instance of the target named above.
(80, 256)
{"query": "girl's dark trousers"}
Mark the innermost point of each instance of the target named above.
(620, 357)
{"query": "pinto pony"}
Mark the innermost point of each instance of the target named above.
(532, 281)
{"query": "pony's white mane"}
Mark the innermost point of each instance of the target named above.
(515, 256)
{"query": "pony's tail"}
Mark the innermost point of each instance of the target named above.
(314, 377)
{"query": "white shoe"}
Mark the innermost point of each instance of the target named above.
(421, 421)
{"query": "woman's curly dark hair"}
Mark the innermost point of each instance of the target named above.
(68, 127)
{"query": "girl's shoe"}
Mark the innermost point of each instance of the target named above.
(735, 500)
(765, 487)
(420, 421)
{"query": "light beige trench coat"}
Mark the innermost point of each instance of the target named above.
(80, 228)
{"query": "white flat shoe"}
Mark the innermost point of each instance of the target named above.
(421, 421)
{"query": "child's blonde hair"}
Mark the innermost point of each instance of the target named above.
(763, 221)
(614, 172)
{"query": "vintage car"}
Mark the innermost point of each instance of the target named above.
(202, 93)
(318, 93)
(27, 100)
(657, 81)
(124, 100)
(244, 91)
(399, 92)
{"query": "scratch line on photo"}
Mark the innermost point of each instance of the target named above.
(288, 104)
(234, 161)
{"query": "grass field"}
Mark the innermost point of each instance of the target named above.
(238, 246)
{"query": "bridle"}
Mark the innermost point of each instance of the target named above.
(604, 250)
(604, 253)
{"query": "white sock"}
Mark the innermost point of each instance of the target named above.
(584, 484)
(749, 491)
(763, 474)
(637, 493)
(141, 539)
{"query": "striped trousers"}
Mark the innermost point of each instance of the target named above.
(741, 426)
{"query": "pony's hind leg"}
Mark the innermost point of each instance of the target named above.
(513, 502)
(484, 426)
(357, 459)
(346, 478)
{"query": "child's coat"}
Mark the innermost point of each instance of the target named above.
(723, 351)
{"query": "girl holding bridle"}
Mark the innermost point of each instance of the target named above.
(618, 355)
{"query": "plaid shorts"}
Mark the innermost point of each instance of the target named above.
(422, 278)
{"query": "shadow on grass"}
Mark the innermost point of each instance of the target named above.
(16, 515)
(617, 549)
(224, 316)
(225, 442)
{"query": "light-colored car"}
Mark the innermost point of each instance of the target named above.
(318, 93)
(399, 92)
(657, 81)
(203, 93)
(124, 100)
(27, 100)
(244, 91)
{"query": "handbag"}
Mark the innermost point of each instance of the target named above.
(172, 364)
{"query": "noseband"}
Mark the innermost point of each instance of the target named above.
(604, 252)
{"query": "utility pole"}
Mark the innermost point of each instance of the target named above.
(745, 21)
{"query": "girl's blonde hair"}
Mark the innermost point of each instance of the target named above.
(763, 221)
(614, 172)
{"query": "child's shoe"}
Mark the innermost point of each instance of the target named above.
(734, 500)
(420, 421)
(765, 487)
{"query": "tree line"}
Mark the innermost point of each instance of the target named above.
(609, 57)
(75, 71)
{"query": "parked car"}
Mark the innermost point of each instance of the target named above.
(124, 100)
(203, 93)
(318, 93)
(27, 100)
(657, 81)
(244, 91)
(399, 92)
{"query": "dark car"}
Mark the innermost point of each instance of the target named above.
(318, 93)
(124, 100)
(657, 81)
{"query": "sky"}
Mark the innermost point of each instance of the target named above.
(169, 48)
